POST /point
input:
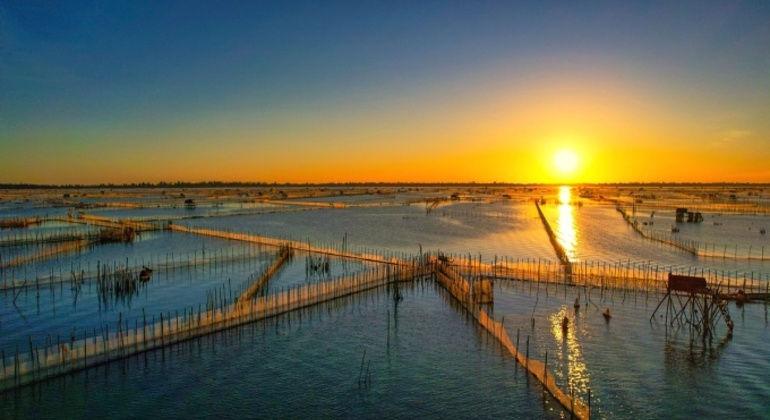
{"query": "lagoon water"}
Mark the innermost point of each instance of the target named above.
(424, 357)
(434, 364)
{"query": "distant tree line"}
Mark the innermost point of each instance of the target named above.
(233, 184)
(161, 184)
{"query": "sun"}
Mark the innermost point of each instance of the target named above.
(565, 161)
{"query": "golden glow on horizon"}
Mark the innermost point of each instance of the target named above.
(587, 128)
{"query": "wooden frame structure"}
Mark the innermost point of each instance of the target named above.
(690, 302)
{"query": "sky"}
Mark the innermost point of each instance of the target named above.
(384, 91)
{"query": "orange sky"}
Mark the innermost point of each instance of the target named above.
(409, 96)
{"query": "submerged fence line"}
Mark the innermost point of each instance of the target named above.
(460, 289)
(171, 261)
(560, 252)
(732, 207)
(713, 250)
(89, 219)
(631, 276)
(494, 215)
(47, 252)
(218, 212)
(365, 254)
(52, 360)
(70, 242)
(20, 222)
(19, 239)
(283, 256)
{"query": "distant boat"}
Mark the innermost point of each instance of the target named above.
(674, 229)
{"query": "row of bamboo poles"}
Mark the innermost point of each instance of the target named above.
(77, 352)
(68, 242)
(557, 246)
(477, 214)
(72, 234)
(105, 346)
(726, 207)
(21, 222)
(643, 276)
(126, 234)
(170, 261)
(52, 251)
(460, 289)
(284, 255)
(631, 275)
(40, 237)
(55, 359)
(628, 276)
(697, 248)
(102, 221)
(359, 253)
(541, 271)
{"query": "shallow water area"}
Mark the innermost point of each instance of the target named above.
(318, 363)
(425, 356)
(598, 234)
(55, 311)
(634, 366)
(489, 229)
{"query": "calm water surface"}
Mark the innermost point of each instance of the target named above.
(425, 358)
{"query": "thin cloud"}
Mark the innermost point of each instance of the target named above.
(731, 137)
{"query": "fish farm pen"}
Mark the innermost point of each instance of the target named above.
(106, 288)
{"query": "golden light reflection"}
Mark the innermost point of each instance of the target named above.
(565, 224)
(569, 355)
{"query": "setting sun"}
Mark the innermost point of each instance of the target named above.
(565, 161)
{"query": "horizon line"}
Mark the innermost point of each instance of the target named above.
(216, 184)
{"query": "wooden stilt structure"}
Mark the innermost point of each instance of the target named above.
(690, 302)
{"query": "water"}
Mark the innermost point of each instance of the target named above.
(57, 310)
(435, 363)
(490, 229)
(634, 367)
(423, 360)
(599, 234)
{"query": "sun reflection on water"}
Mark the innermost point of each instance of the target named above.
(565, 224)
(569, 356)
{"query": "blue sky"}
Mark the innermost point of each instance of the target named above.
(311, 91)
